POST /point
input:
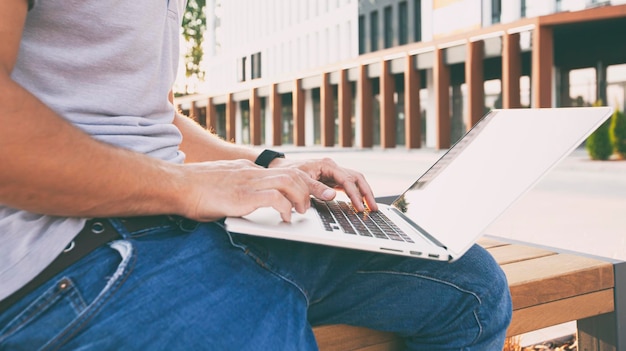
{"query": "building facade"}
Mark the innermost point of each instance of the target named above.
(410, 73)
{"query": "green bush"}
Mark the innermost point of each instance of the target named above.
(598, 144)
(617, 132)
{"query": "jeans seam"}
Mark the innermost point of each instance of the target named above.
(123, 272)
(39, 306)
(266, 265)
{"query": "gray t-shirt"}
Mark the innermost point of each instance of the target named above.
(107, 68)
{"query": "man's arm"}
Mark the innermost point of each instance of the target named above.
(51, 167)
(200, 145)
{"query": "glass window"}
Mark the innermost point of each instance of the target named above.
(255, 63)
(241, 69)
(361, 34)
(374, 31)
(403, 23)
(496, 10)
(417, 20)
(388, 13)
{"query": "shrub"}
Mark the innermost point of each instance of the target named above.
(617, 132)
(598, 144)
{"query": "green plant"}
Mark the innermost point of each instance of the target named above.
(193, 28)
(598, 144)
(617, 132)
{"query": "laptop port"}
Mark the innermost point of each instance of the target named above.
(433, 255)
(394, 250)
(415, 253)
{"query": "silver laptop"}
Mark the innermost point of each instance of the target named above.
(447, 209)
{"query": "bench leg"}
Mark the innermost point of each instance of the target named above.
(607, 332)
(597, 333)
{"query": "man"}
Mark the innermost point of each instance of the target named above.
(88, 132)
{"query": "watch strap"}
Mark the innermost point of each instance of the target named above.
(267, 156)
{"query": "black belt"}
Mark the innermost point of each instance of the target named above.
(96, 233)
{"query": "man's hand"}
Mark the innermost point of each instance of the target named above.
(235, 188)
(325, 175)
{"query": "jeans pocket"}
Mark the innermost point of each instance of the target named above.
(62, 309)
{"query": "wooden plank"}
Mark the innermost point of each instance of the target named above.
(515, 253)
(537, 281)
(557, 312)
(346, 337)
(489, 243)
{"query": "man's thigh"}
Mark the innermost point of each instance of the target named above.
(438, 305)
(167, 290)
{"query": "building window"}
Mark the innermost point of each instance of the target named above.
(241, 69)
(374, 31)
(523, 7)
(361, 34)
(496, 11)
(388, 13)
(255, 65)
(417, 20)
(403, 23)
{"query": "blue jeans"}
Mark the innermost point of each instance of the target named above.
(203, 288)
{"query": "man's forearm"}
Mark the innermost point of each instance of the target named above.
(51, 167)
(201, 145)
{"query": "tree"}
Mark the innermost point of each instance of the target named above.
(193, 29)
(599, 144)
(618, 132)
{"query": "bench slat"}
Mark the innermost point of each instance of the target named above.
(557, 312)
(556, 277)
(514, 253)
(489, 242)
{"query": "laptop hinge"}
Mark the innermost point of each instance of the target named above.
(419, 229)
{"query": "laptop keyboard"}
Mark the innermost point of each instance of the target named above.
(341, 215)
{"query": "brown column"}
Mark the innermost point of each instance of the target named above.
(542, 62)
(298, 113)
(475, 80)
(211, 116)
(387, 107)
(345, 109)
(327, 123)
(231, 108)
(511, 71)
(364, 98)
(255, 118)
(194, 112)
(412, 113)
(277, 120)
(441, 73)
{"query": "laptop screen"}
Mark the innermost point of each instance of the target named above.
(495, 163)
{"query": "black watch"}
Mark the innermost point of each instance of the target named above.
(267, 156)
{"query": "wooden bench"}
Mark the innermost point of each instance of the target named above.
(548, 287)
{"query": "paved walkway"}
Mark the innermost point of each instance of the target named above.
(580, 205)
